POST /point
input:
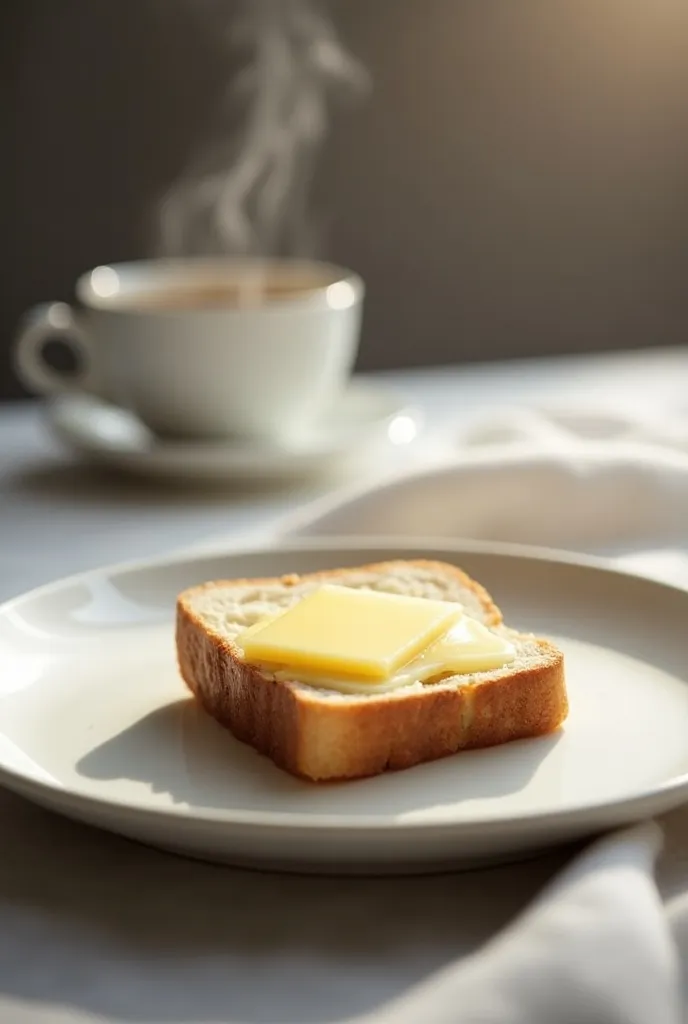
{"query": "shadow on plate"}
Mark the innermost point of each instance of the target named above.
(179, 750)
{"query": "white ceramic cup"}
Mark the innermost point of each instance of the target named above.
(205, 347)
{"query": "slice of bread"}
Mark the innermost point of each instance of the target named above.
(319, 734)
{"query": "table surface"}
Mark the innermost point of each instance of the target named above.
(58, 517)
(94, 927)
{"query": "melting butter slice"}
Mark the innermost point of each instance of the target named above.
(375, 635)
(342, 630)
(469, 647)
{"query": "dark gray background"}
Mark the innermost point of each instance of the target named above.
(516, 184)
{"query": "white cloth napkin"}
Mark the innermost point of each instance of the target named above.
(600, 483)
(598, 945)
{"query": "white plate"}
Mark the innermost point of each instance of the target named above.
(95, 723)
(365, 420)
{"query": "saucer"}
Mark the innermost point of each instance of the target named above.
(366, 421)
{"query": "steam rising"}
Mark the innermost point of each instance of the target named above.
(248, 191)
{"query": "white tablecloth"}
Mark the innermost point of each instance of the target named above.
(95, 928)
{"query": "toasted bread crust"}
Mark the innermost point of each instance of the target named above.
(318, 738)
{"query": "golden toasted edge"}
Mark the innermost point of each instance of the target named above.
(323, 739)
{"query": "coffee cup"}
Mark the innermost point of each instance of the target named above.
(204, 348)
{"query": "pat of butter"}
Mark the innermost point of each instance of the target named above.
(467, 648)
(337, 631)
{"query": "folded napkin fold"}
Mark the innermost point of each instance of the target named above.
(583, 480)
(596, 947)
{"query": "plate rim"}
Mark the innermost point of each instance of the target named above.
(668, 793)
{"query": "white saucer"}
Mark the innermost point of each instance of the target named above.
(365, 422)
(132, 753)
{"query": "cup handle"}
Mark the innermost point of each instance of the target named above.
(54, 320)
